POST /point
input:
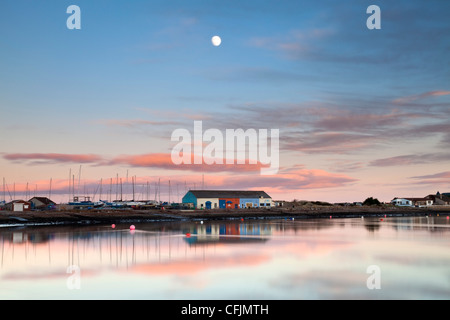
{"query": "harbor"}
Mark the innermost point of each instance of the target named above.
(151, 204)
(109, 216)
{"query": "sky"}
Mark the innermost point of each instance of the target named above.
(361, 113)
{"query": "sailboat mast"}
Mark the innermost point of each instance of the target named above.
(121, 189)
(70, 178)
(50, 191)
(101, 185)
(117, 186)
(133, 181)
(79, 179)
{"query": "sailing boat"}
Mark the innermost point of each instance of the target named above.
(77, 203)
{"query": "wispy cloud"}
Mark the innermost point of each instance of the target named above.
(52, 157)
(151, 160)
(328, 142)
(129, 123)
(164, 161)
(294, 179)
(408, 99)
(343, 125)
(439, 175)
(295, 44)
(411, 159)
(437, 179)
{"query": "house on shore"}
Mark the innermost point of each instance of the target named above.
(227, 199)
(412, 202)
(18, 206)
(42, 203)
(439, 198)
(401, 202)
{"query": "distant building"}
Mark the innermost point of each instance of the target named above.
(412, 202)
(279, 203)
(42, 203)
(401, 202)
(18, 205)
(227, 199)
(439, 198)
(421, 202)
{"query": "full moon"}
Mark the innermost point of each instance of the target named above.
(216, 41)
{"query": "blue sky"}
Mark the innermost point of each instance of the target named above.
(345, 97)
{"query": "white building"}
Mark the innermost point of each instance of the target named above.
(412, 202)
(402, 202)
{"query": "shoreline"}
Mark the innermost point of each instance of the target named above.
(103, 217)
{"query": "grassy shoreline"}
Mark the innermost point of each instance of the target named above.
(118, 216)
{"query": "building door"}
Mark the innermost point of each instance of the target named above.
(208, 204)
(17, 206)
(222, 204)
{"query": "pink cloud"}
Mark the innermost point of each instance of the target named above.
(152, 160)
(329, 142)
(404, 100)
(411, 159)
(441, 178)
(287, 180)
(164, 161)
(135, 122)
(440, 175)
(353, 122)
(53, 157)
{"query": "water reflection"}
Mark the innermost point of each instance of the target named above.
(228, 233)
(252, 259)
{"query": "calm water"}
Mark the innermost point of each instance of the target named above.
(252, 259)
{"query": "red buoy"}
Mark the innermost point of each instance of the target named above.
(188, 234)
